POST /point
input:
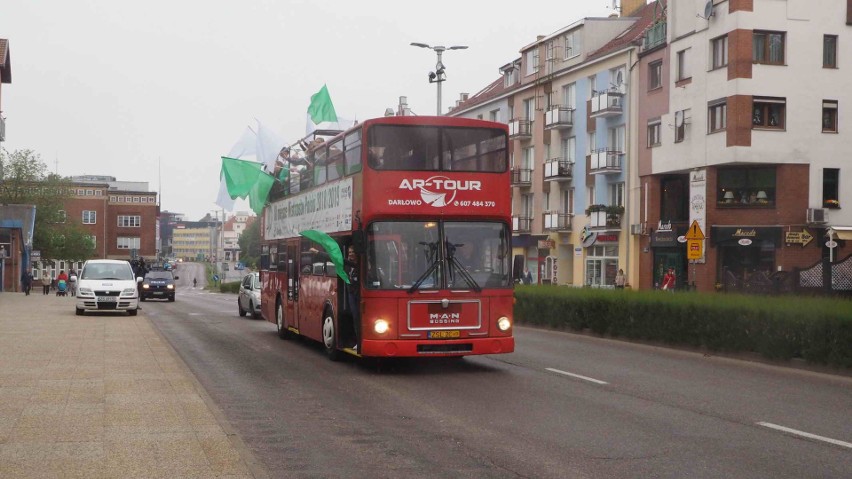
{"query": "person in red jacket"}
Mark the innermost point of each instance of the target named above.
(669, 280)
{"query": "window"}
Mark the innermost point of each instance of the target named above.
(829, 116)
(572, 45)
(593, 86)
(681, 120)
(90, 217)
(831, 188)
(90, 192)
(529, 110)
(591, 144)
(352, 152)
(601, 266)
(720, 52)
(745, 187)
(768, 47)
(479, 116)
(494, 115)
(617, 77)
(99, 193)
(129, 221)
(128, 242)
(717, 115)
(528, 158)
(683, 72)
(136, 199)
(112, 198)
(829, 51)
(62, 216)
(654, 132)
(768, 112)
(655, 75)
(81, 192)
(532, 61)
(569, 95)
(616, 194)
(566, 201)
(569, 145)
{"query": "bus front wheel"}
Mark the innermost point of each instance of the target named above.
(329, 338)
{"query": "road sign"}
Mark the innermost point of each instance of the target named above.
(694, 249)
(694, 232)
(215, 277)
(801, 237)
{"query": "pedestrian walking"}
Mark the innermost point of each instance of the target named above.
(45, 282)
(619, 279)
(669, 280)
(26, 282)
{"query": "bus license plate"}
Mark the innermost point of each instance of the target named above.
(106, 299)
(444, 334)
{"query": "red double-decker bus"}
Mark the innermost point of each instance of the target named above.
(424, 202)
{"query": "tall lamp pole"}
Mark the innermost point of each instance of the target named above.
(438, 76)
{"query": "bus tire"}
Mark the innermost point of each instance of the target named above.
(283, 332)
(329, 336)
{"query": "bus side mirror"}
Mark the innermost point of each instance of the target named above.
(359, 241)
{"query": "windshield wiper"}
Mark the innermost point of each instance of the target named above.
(463, 273)
(425, 275)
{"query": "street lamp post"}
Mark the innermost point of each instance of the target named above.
(438, 76)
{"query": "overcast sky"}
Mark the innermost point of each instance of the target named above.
(113, 87)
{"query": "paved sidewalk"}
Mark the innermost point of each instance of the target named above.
(103, 396)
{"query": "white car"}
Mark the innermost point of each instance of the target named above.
(107, 285)
(248, 299)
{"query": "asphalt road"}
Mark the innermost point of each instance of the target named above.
(561, 406)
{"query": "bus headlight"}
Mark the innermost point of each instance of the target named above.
(381, 326)
(504, 324)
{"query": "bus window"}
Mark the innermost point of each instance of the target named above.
(352, 155)
(474, 149)
(320, 161)
(264, 257)
(400, 253)
(335, 160)
(404, 148)
(481, 249)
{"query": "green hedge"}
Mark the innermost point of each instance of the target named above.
(230, 287)
(817, 330)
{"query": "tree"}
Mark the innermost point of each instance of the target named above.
(24, 179)
(250, 245)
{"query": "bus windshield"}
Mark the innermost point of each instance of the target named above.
(415, 255)
(432, 148)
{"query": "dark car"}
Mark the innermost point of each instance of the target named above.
(158, 284)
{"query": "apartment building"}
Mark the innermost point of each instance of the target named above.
(568, 104)
(743, 111)
(195, 240)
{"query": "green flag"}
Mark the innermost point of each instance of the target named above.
(247, 179)
(321, 108)
(330, 246)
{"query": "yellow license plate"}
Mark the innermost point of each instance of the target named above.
(444, 334)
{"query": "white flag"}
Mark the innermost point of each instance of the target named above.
(269, 146)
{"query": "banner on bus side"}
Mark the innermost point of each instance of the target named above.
(327, 208)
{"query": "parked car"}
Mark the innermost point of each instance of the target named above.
(107, 285)
(158, 284)
(248, 300)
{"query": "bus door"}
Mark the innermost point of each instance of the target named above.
(293, 284)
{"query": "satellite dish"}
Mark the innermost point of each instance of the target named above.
(708, 10)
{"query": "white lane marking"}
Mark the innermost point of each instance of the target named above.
(805, 434)
(584, 378)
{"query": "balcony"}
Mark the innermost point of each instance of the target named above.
(607, 104)
(521, 177)
(556, 221)
(654, 36)
(520, 129)
(559, 118)
(604, 218)
(521, 224)
(558, 169)
(605, 161)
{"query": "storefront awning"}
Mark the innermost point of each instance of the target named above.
(727, 234)
(840, 232)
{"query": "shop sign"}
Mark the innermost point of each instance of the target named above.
(587, 237)
(798, 237)
(831, 244)
(744, 242)
(663, 238)
(546, 244)
(721, 234)
(35, 254)
(664, 226)
(610, 238)
(681, 239)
